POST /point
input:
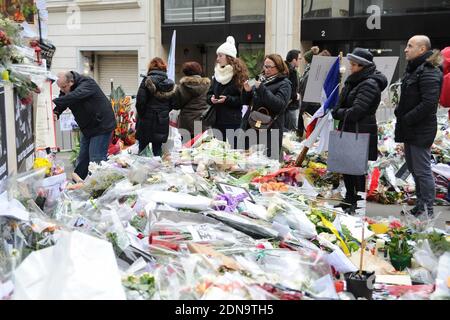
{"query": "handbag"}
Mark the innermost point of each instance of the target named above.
(261, 119)
(349, 152)
(208, 117)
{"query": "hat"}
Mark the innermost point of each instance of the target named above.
(228, 48)
(363, 57)
(308, 56)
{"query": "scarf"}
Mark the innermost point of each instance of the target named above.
(223, 75)
(266, 81)
(353, 80)
(414, 64)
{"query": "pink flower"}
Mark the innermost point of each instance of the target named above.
(395, 224)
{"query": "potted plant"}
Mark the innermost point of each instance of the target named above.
(361, 283)
(400, 251)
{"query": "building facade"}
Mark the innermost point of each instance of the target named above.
(383, 26)
(106, 39)
(115, 39)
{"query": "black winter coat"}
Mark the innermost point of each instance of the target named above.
(295, 83)
(229, 113)
(90, 107)
(191, 99)
(359, 101)
(274, 96)
(416, 112)
(155, 100)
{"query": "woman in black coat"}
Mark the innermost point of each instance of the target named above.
(155, 100)
(358, 103)
(271, 93)
(226, 88)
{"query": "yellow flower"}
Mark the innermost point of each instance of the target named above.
(43, 163)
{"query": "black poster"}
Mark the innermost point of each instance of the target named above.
(24, 132)
(3, 150)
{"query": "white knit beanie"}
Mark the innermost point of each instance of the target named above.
(228, 48)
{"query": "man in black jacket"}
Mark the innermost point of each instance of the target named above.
(93, 113)
(293, 60)
(416, 119)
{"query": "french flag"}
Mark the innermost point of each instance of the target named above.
(330, 96)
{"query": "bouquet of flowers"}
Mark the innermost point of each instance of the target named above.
(125, 131)
(10, 40)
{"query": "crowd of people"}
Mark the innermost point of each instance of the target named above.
(236, 107)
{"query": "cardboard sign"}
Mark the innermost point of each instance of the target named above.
(386, 65)
(318, 73)
(45, 124)
(320, 67)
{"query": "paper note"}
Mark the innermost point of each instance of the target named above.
(340, 262)
(12, 209)
(354, 225)
(54, 186)
(187, 169)
(402, 280)
(67, 122)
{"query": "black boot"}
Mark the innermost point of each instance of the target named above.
(346, 203)
(351, 210)
(343, 205)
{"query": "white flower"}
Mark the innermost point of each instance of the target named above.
(328, 236)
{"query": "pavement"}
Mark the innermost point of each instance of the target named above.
(442, 214)
(373, 209)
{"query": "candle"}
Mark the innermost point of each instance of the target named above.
(380, 244)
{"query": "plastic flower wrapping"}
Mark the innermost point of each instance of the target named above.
(171, 230)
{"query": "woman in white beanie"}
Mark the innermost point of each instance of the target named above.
(224, 94)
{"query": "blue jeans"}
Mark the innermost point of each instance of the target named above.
(94, 149)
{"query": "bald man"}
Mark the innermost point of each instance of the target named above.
(416, 118)
(93, 113)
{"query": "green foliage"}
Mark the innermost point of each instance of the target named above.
(10, 38)
(75, 150)
(139, 223)
(438, 242)
(143, 284)
(399, 242)
(254, 61)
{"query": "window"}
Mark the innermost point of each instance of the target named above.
(325, 8)
(176, 11)
(179, 11)
(248, 11)
(209, 10)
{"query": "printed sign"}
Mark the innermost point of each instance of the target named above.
(3, 150)
(24, 133)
